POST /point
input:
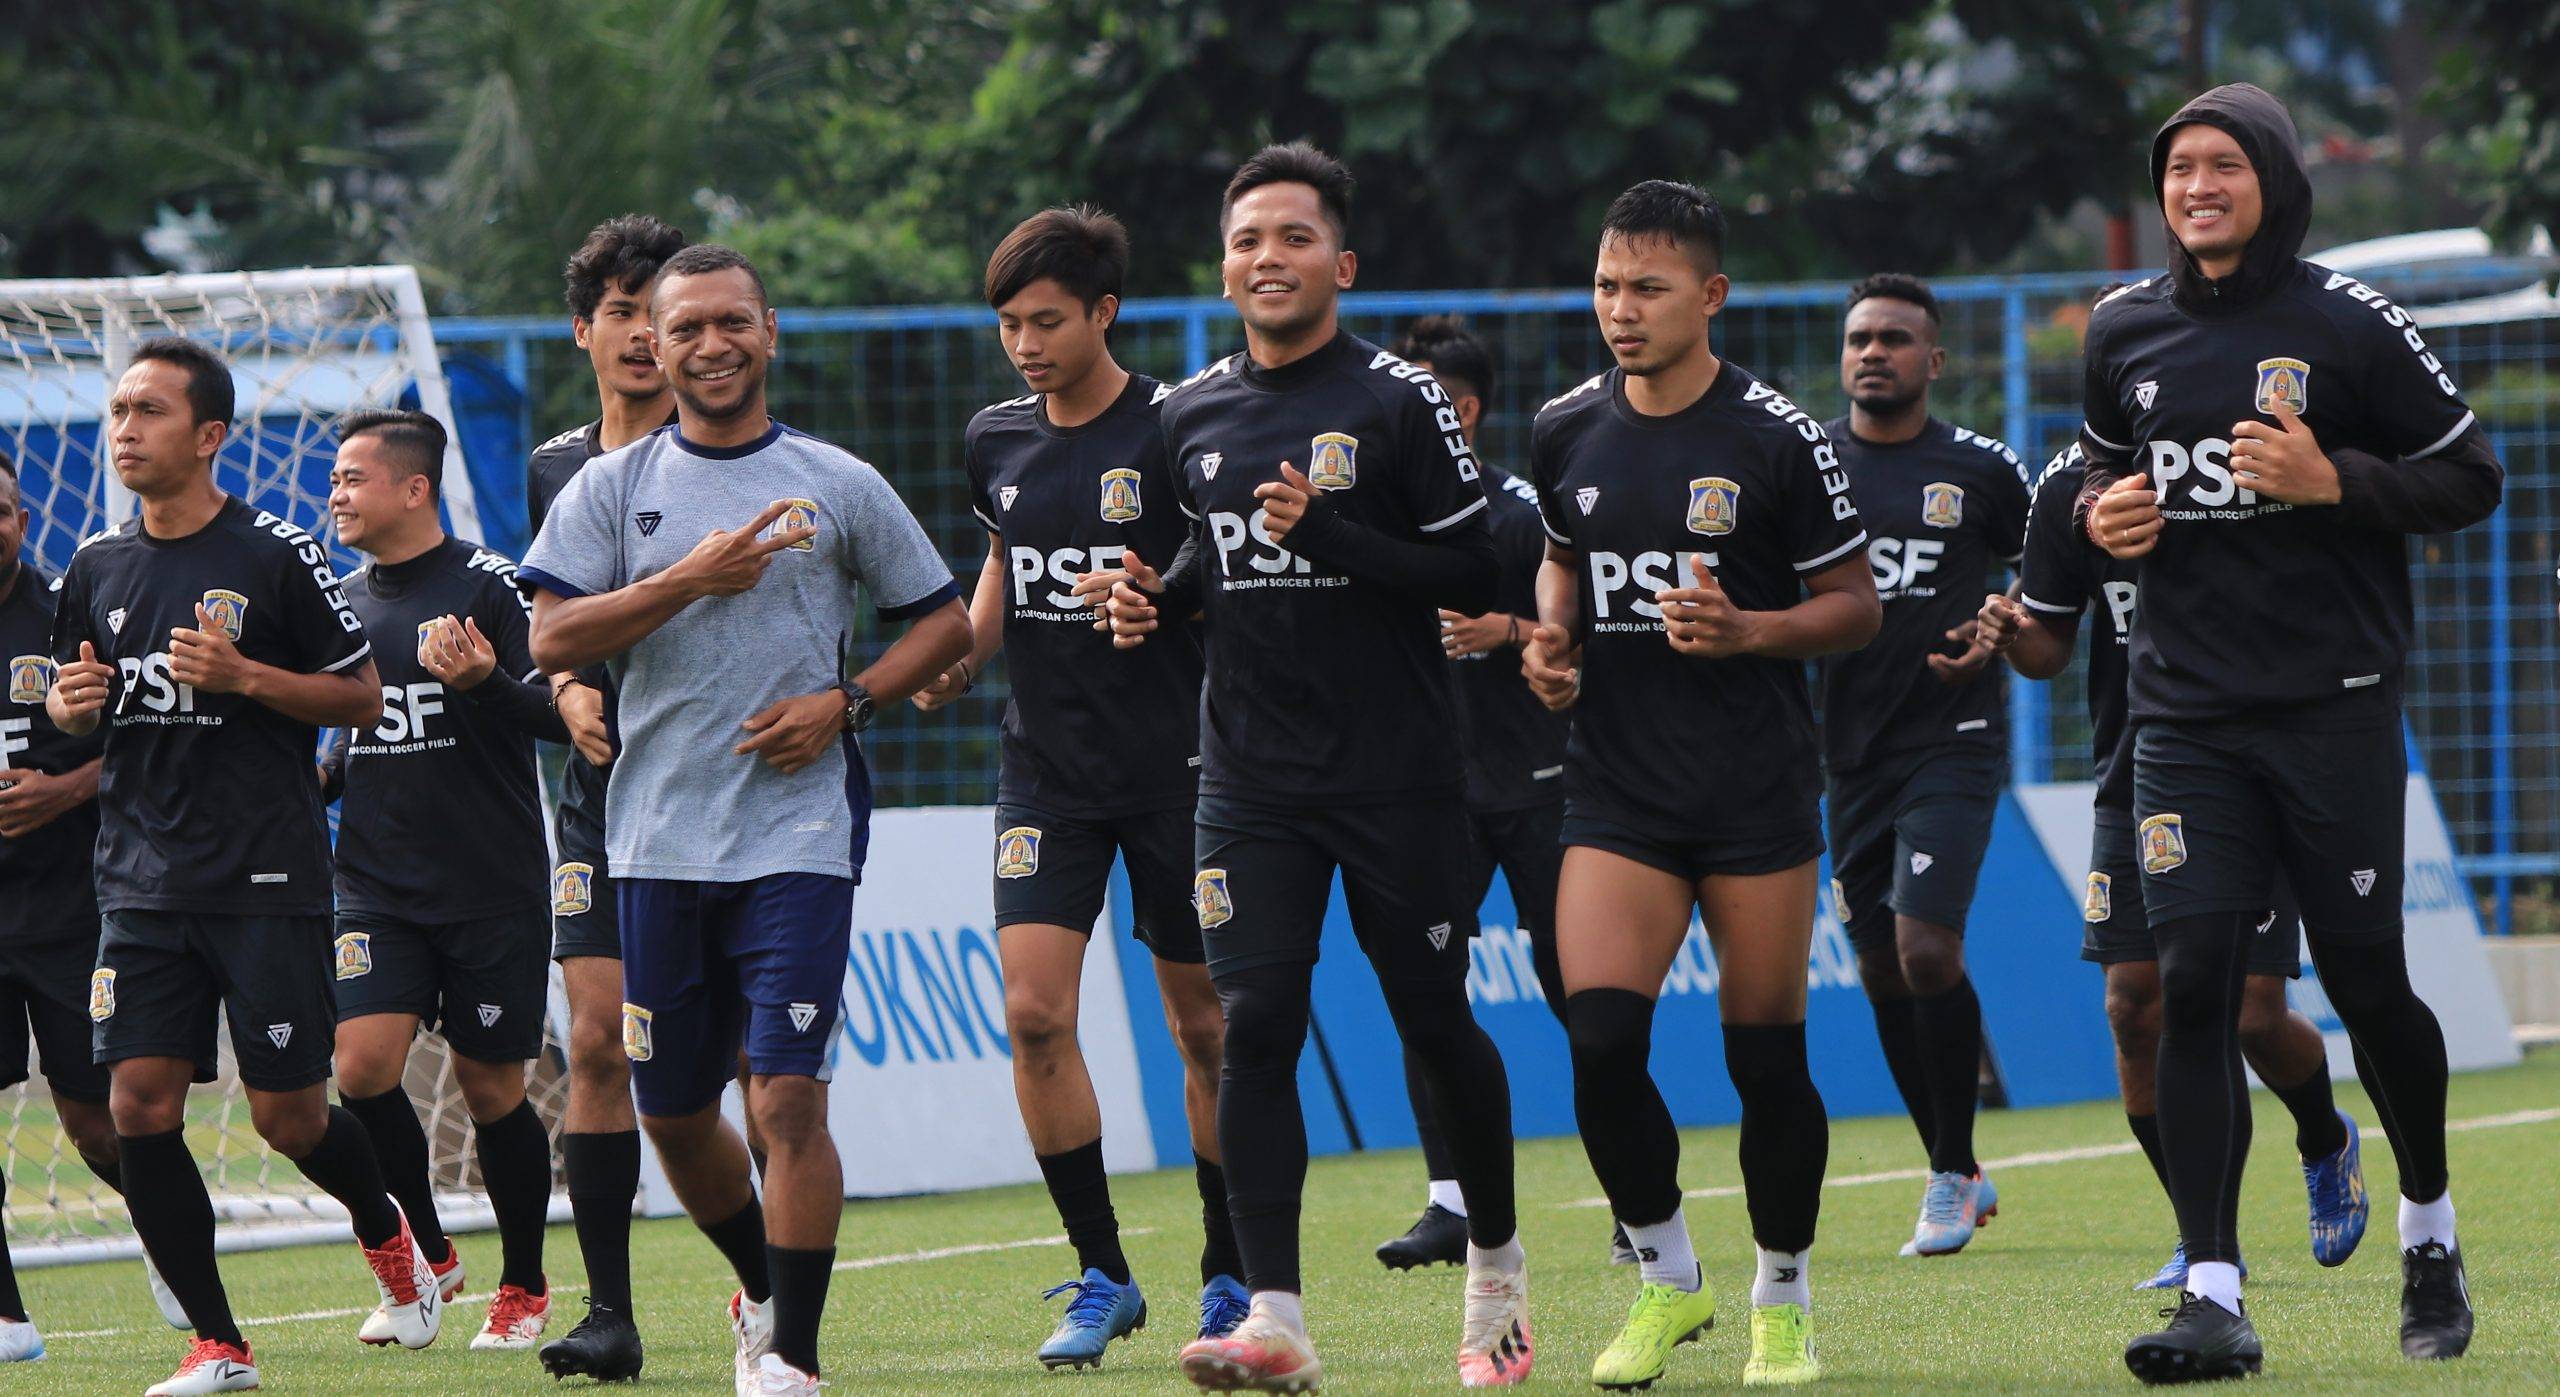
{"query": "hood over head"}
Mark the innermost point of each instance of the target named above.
(2264, 129)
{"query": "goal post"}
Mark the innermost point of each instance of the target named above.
(306, 348)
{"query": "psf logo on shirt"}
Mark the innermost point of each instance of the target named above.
(799, 514)
(2164, 843)
(2098, 903)
(1209, 897)
(1714, 502)
(1942, 505)
(1018, 852)
(229, 610)
(29, 677)
(355, 955)
(636, 1043)
(2286, 381)
(1120, 502)
(1333, 461)
(573, 889)
(102, 995)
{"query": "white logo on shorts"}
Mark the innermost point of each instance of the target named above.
(2361, 880)
(279, 1033)
(489, 1015)
(803, 1015)
(1439, 934)
(1920, 862)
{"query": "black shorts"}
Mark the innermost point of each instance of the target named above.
(2222, 807)
(1055, 870)
(44, 995)
(586, 917)
(1527, 846)
(1266, 873)
(161, 975)
(483, 984)
(2117, 932)
(1689, 859)
(1908, 832)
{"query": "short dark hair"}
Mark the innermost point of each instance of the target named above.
(8, 466)
(1683, 213)
(1451, 349)
(1298, 162)
(1897, 286)
(701, 259)
(417, 441)
(210, 395)
(620, 254)
(1080, 247)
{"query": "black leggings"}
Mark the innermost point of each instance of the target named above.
(1263, 1132)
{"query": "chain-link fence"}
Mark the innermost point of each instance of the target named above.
(897, 385)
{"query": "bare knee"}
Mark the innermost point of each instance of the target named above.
(368, 1069)
(290, 1122)
(1043, 1028)
(1200, 1035)
(490, 1090)
(142, 1101)
(1880, 973)
(2264, 1017)
(788, 1112)
(597, 1062)
(90, 1125)
(2133, 1015)
(1932, 957)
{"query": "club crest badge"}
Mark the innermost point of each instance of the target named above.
(636, 1044)
(573, 889)
(2286, 381)
(802, 514)
(1713, 504)
(29, 677)
(229, 610)
(2097, 901)
(1120, 502)
(354, 955)
(102, 995)
(1018, 852)
(1941, 505)
(1839, 902)
(1333, 461)
(2164, 843)
(1209, 897)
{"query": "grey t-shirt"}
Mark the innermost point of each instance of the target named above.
(682, 805)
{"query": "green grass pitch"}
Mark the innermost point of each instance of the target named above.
(942, 1293)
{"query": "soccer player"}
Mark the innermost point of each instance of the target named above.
(1100, 746)
(2262, 433)
(1914, 728)
(1690, 509)
(2060, 578)
(442, 884)
(1335, 509)
(716, 566)
(609, 281)
(1514, 759)
(48, 903)
(212, 641)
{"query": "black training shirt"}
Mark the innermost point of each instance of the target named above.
(2063, 575)
(1514, 746)
(46, 891)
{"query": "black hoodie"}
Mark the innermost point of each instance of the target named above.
(2251, 607)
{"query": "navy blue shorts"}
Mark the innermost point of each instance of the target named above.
(710, 967)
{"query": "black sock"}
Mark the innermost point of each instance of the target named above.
(2204, 1100)
(1262, 1132)
(1436, 1161)
(1217, 1230)
(2146, 1133)
(515, 1165)
(1626, 1128)
(1786, 1133)
(1471, 1094)
(344, 1166)
(1950, 1024)
(1082, 1191)
(740, 1237)
(604, 1181)
(2317, 1131)
(800, 1279)
(173, 1216)
(1898, 1033)
(2400, 1054)
(400, 1149)
(12, 1304)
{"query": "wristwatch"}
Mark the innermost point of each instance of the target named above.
(858, 706)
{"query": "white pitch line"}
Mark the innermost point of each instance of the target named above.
(2072, 1156)
(859, 1263)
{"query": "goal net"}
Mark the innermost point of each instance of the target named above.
(306, 348)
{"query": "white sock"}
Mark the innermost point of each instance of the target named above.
(1507, 1258)
(1283, 1307)
(2217, 1281)
(1663, 1247)
(1784, 1279)
(2421, 1223)
(1445, 1192)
